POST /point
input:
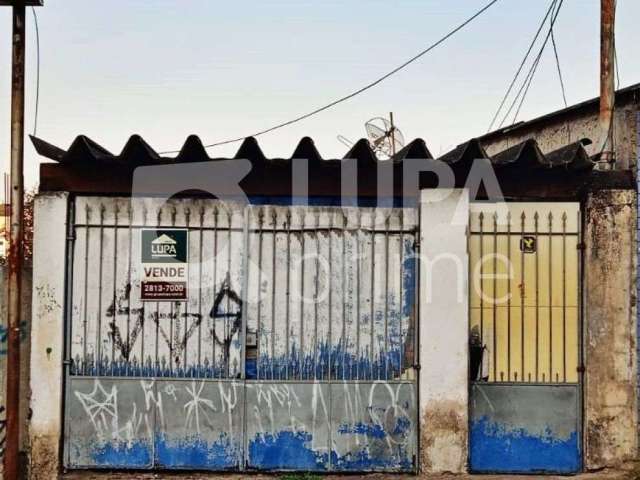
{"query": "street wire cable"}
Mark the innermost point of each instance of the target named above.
(356, 92)
(524, 88)
(35, 119)
(524, 60)
(555, 52)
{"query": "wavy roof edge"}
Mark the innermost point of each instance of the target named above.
(84, 151)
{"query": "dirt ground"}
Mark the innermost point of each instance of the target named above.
(628, 473)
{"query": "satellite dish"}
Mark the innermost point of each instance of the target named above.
(385, 138)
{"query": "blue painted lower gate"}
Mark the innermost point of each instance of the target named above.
(201, 425)
(525, 428)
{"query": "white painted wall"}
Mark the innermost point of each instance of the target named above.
(444, 320)
(47, 339)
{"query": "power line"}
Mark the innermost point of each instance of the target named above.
(356, 92)
(524, 88)
(555, 52)
(524, 60)
(35, 119)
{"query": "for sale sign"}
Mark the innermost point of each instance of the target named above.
(164, 255)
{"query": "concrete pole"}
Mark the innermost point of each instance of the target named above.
(607, 88)
(11, 460)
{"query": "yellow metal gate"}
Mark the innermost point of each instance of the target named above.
(524, 337)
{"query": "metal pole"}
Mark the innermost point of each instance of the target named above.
(11, 466)
(607, 88)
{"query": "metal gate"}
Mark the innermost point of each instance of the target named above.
(293, 350)
(525, 394)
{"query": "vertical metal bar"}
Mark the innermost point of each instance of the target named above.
(259, 295)
(227, 318)
(288, 293)
(373, 283)
(564, 296)
(302, 315)
(494, 307)
(200, 260)
(86, 289)
(216, 371)
(315, 301)
(144, 310)
(330, 301)
(16, 235)
(386, 297)
(550, 297)
(537, 259)
(115, 278)
(171, 337)
(128, 288)
(401, 304)
(157, 319)
(274, 217)
(357, 290)
(522, 299)
(509, 298)
(344, 295)
(481, 295)
(245, 293)
(185, 338)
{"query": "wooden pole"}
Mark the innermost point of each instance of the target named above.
(11, 459)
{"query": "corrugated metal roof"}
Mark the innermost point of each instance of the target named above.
(523, 169)
(137, 152)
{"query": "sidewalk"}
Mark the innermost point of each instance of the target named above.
(630, 474)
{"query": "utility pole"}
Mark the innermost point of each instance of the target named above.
(607, 80)
(16, 256)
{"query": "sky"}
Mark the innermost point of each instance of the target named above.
(166, 69)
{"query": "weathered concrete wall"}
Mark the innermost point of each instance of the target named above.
(444, 320)
(610, 329)
(25, 329)
(564, 129)
(47, 333)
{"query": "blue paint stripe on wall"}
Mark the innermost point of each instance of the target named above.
(496, 448)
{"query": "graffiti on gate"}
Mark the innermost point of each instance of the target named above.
(118, 423)
(342, 426)
(223, 330)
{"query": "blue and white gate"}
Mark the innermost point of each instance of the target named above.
(293, 349)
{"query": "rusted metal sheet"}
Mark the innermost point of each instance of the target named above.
(519, 428)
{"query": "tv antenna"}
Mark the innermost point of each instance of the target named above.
(383, 136)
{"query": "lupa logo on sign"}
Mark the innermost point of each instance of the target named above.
(164, 246)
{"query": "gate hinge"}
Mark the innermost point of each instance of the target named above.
(580, 246)
(580, 369)
(416, 367)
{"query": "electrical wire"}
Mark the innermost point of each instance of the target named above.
(356, 92)
(524, 88)
(555, 52)
(524, 60)
(35, 119)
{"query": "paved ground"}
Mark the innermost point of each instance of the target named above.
(631, 473)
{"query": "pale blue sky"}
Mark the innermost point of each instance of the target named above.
(169, 68)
